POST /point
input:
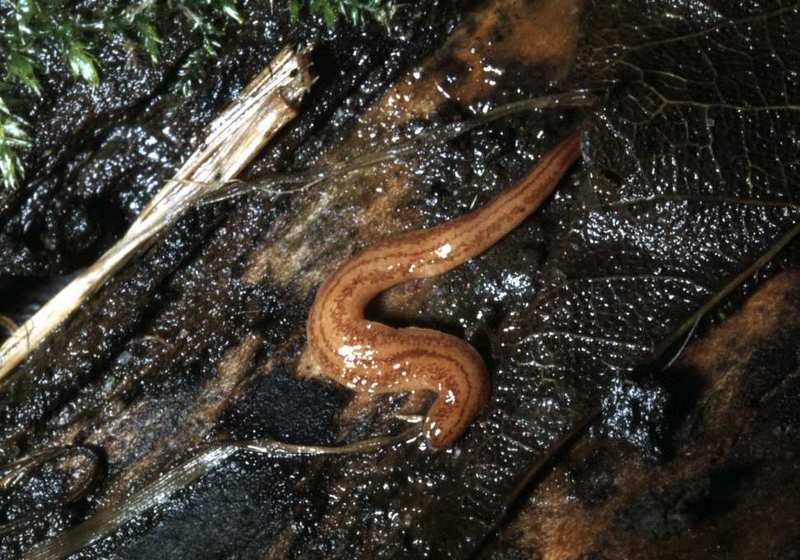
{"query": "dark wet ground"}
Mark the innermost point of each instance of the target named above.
(687, 176)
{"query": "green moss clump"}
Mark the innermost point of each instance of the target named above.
(28, 27)
(353, 10)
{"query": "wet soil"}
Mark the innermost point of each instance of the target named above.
(202, 338)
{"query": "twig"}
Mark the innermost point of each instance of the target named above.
(109, 519)
(307, 178)
(234, 138)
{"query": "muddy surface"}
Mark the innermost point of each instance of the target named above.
(687, 177)
(727, 487)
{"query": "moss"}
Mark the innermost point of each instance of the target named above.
(353, 10)
(29, 27)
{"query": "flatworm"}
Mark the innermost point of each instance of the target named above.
(370, 357)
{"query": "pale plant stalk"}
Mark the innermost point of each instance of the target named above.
(233, 139)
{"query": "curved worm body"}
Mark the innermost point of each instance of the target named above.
(374, 358)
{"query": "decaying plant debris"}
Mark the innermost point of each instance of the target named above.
(687, 182)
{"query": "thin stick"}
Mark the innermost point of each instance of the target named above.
(107, 520)
(234, 138)
(307, 178)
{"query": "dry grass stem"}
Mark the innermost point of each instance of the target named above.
(234, 138)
